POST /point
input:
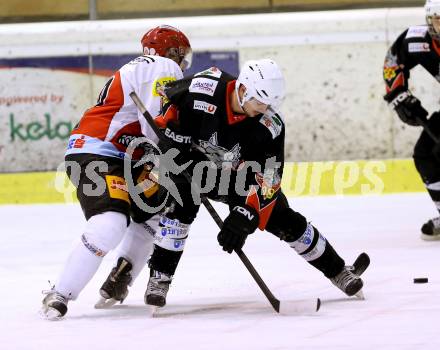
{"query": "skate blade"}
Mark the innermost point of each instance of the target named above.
(152, 310)
(50, 314)
(299, 307)
(104, 303)
(429, 237)
(360, 295)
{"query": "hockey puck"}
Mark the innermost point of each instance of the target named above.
(421, 280)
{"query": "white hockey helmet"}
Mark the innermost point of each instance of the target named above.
(432, 12)
(263, 81)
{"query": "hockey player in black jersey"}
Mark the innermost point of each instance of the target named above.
(233, 123)
(418, 45)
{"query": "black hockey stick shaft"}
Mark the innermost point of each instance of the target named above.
(244, 259)
(264, 288)
(428, 130)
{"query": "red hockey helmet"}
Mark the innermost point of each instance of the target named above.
(170, 42)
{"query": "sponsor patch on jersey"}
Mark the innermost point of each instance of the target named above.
(205, 106)
(269, 181)
(416, 32)
(117, 187)
(418, 47)
(148, 182)
(273, 123)
(159, 84)
(76, 142)
(389, 73)
(203, 86)
(213, 72)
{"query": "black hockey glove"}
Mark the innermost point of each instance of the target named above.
(241, 221)
(409, 108)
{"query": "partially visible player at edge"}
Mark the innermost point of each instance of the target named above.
(418, 45)
(231, 121)
(102, 137)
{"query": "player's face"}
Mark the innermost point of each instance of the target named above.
(182, 57)
(436, 23)
(253, 107)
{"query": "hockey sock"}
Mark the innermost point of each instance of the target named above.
(137, 245)
(315, 249)
(164, 260)
(79, 269)
(102, 233)
(434, 192)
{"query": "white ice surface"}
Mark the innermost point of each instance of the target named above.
(215, 304)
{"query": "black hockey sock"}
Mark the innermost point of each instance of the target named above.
(329, 263)
(435, 196)
(164, 260)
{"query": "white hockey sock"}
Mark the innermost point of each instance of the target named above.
(79, 269)
(102, 233)
(137, 245)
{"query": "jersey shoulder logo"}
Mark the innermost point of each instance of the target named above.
(141, 59)
(213, 72)
(418, 47)
(203, 86)
(204, 107)
(416, 32)
(159, 85)
(273, 122)
(158, 88)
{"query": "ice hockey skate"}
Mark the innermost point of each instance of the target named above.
(157, 288)
(431, 230)
(54, 305)
(349, 281)
(115, 287)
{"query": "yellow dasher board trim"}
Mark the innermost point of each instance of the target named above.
(36, 187)
(300, 179)
(351, 177)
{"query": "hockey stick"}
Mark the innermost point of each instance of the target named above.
(296, 307)
(428, 130)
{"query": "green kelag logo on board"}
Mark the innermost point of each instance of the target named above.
(35, 131)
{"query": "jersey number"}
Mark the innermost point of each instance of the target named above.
(104, 92)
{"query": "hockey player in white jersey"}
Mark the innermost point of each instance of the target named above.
(95, 160)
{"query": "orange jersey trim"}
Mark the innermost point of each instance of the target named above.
(96, 120)
(436, 46)
(171, 114)
(264, 213)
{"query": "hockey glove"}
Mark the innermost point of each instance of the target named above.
(241, 221)
(409, 108)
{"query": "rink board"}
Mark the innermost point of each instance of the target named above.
(299, 179)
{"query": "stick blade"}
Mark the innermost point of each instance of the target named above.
(300, 307)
